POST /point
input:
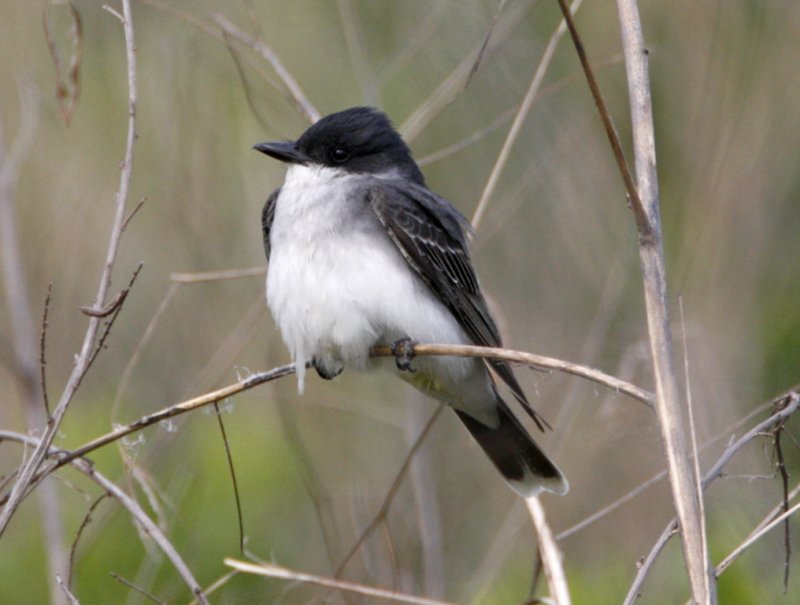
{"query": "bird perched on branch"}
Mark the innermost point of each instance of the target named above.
(362, 253)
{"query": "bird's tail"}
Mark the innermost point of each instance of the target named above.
(525, 467)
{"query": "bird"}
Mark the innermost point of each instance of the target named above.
(361, 253)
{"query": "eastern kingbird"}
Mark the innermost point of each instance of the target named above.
(362, 253)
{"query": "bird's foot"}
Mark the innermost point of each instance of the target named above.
(327, 369)
(403, 351)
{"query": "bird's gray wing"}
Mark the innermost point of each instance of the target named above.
(430, 235)
(267, 214)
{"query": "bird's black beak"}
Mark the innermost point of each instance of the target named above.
(285, 151)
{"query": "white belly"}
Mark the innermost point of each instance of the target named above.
(337, 284)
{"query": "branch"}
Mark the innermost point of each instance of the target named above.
(170, 412)
(531, 359)
(83, 359)
(379, 351)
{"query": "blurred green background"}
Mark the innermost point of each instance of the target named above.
(313, 470)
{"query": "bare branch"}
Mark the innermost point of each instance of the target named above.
(42, 356)
(84, 357)
(531, 359)
(87, 518)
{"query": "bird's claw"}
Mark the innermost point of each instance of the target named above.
(403, 351)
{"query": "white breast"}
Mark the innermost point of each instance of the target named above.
(336, 283)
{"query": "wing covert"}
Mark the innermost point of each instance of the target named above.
(430, 235)
(267, 215)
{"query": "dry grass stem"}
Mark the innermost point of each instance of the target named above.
(519, 119)
(551, 555)
(304, 106)
(207, 276)
(276, 571)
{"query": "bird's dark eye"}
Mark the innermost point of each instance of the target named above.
(340, 154)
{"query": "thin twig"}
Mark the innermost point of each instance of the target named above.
(642, 487)
(519, 119)
(42, 355)
(119, 300)
(594, 517)
(217, 584)
(233, 476)
(84, 524)
(276, 571)
(639, 213)
(784, 475)
(479, 58)
(725, 563)
(248, 92)
(531, 359)
(279, 372)
(172, 411)
(135, 588)
(302, 103)
(133, 213)
(124, 380)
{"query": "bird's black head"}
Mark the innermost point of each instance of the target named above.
(358, 140)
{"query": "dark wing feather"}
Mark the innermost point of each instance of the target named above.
(430, 234)
(267, 214)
